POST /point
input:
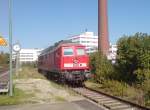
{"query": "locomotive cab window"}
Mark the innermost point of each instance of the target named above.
(80, 51)
(68, 51)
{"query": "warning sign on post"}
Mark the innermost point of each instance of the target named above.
(3, 42)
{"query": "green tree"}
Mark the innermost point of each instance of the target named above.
(4, 58)
(133, 56)
(101, 67)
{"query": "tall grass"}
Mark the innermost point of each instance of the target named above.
(28, 72)
(18, 97)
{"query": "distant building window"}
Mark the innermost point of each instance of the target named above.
(68, 51)
(80, 51)
(83, 41)
(77, 41)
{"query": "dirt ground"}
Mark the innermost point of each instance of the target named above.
(44, 91)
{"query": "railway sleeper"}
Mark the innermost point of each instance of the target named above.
(109, 103)
(112, 103)
(119, 107)
(104, 99)
(131, 108)
(98, 97)
(92, 94)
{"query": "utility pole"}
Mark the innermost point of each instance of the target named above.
(10, 50)
(103, 40)
(17, 63)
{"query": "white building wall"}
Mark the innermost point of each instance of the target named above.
(27, 55)
(87, 39)
(112, 53)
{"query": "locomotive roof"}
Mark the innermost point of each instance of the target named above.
(60, 43)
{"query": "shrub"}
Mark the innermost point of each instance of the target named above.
(101, 67)
(133, 54)
(142, 75)
(146, 89)
(115, 87)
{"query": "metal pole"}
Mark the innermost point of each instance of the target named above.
(10, 51)
(17, 63)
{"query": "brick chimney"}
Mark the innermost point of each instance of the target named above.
(103, 40)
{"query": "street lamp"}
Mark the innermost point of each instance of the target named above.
(10, 50)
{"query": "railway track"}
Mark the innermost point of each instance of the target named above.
(4, 82)
(3, 69)
(110, 102)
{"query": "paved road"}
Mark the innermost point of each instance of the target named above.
(76, 105)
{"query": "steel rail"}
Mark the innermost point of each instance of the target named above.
(120, 99)
(108, 101)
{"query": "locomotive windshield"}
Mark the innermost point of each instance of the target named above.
(68, 51)
(80, 51)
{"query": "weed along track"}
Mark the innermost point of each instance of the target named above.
(110, 102)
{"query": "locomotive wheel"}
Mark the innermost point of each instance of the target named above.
(61, 79)
(39, 70)
(48, 76)
(81, 84)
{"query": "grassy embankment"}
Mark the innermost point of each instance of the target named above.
(19, 96)
(121, 90)
(25, 96)
(28, 72)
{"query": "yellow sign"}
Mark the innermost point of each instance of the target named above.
(3, 42)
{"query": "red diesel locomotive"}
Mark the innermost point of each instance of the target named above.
(65, 61)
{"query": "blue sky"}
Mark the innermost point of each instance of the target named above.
(39, 23)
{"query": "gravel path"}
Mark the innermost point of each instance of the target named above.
(45, 91)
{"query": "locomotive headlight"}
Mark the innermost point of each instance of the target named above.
(82, 64)
(87, 75)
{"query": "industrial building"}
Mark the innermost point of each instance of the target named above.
(112, 53)
(27, 55)
(87, 39)
(90, 40)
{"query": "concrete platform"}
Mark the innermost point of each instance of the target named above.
(76, 105)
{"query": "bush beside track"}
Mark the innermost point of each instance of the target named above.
(129, 78)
